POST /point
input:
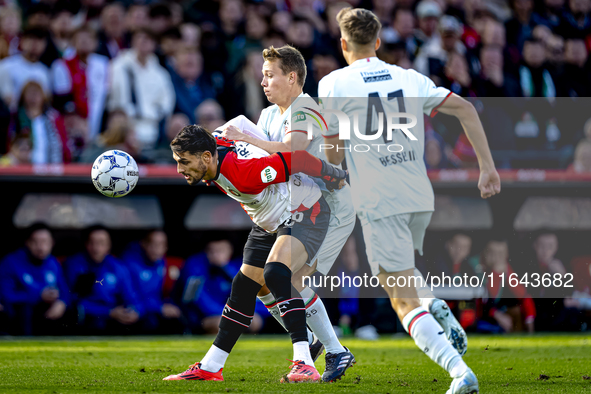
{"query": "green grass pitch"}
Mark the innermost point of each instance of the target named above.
(503, 364)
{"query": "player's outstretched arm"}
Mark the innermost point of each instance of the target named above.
(334, 149)
(302, 161)
(489, 182)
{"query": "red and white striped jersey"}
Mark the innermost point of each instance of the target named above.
(262, 184)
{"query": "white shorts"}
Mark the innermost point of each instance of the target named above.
(390, 242)
(340, 227)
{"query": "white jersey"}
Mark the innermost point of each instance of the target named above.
(259, 185)
(302, 112)
(388, 177)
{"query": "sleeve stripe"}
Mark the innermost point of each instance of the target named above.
(296, 131)
(318, 113)
(330, 136)
(284, 166)
(434, 110)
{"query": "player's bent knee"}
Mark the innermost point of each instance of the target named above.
(254, 273)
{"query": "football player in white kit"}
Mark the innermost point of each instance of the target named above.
(285, 125)
(391, 191)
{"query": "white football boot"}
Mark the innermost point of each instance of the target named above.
(452, 327)
(464, 384)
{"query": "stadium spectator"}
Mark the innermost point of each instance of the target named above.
(60, 30)
(111, 36)
(582, 159)
(520, 27)
(428, 14)
(576, 21)
(432, 58)
(19, 153)
(575, 79)
(509, 308)
(171, 41)
(146, 262)
(10, 26)
(119, 135)
(456, 76)
(190, 35)
(493, 81)
(534, 78)
(435, 149)
(456, 259)
(17, 70)
(101, 287)
(43, 125)
(550, 14)
(402, 30)
(81, 83)
(204, 286)
(191, 86)
(160, 18)
(243, 94)
(142, 88)
(136, 17)
(231, 16)
(38, 15)
(210, 114)
(32, 286)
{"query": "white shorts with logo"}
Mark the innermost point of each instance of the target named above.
(340, 227)
(390, 242)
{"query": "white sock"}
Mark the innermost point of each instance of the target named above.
(214, 359)
(425, 294)
(301, 352)
(269, 301)
(429, 337)
(319, 322)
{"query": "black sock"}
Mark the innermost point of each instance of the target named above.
(292, 308)
(238, 312)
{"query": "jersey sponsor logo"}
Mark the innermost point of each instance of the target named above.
(299, 116)
(377, 78)
(268, 175)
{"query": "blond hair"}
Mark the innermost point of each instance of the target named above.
(290, 60)
(358, 26)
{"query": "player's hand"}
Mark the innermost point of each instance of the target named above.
(489, 183)
(333, 177)
(50, 294)
(56, 310)
(233, 133)
(171, 311)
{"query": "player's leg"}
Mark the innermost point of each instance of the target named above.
(390, 251)
(438, 308)
(289, 253)
(238, 311)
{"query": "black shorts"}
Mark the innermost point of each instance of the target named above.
(309, 227)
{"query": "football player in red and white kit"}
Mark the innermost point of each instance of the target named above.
(282, 127)
(292, 220)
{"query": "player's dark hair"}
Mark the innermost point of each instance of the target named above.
(290, 59)
(89, 230)
(38, 226)
(194, 139)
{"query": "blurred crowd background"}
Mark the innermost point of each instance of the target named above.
(81, 77)
(78, 77)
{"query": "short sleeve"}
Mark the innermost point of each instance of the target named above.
(434, 96)
(251, 176)
(305, 113)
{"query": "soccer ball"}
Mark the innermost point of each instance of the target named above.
(114, 173)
